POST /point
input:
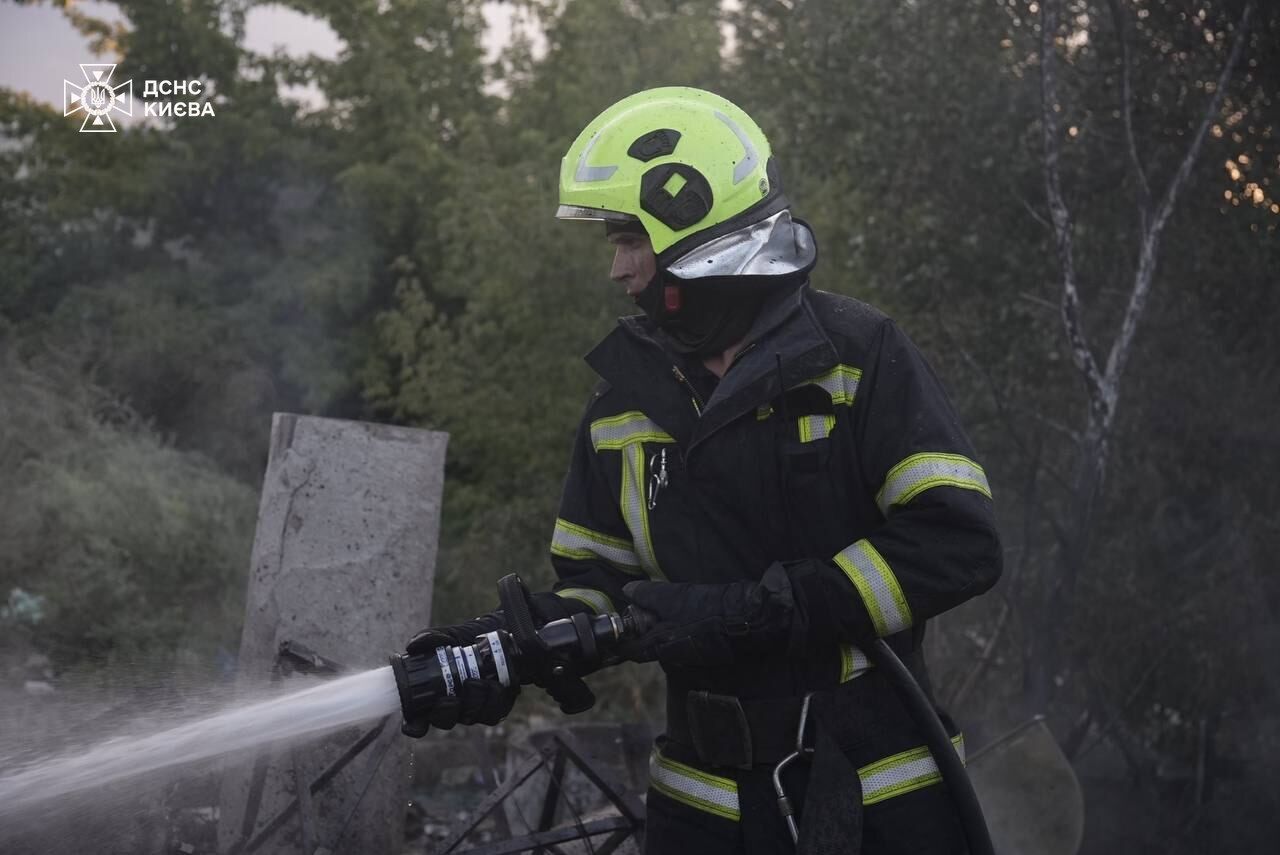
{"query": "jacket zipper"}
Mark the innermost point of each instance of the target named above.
(741, 353)
(698, 403)
(697, 399)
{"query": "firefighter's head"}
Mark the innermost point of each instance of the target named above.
(687, 187)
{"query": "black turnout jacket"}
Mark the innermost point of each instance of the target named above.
(829, 439)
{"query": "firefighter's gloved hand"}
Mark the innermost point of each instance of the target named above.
(713, 624)
(475, 707)
(567, 689)
(477, 702)
(458, 635)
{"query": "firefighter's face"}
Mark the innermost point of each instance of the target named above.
(633, 261)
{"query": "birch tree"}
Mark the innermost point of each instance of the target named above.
(1103, 378)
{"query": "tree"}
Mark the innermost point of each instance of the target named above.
(1102, 383)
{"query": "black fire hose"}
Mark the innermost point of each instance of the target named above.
(939, 743)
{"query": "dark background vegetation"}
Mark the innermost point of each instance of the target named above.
(393, 257)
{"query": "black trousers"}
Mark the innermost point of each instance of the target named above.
(923, 822)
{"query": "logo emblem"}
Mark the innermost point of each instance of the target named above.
(97, 98)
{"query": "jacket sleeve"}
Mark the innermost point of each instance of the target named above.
(937, 544)
(591, 547)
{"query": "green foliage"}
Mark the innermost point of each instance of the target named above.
(134, 547)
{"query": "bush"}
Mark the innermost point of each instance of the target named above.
(130, 545)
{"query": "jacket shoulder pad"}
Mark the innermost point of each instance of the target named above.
(852, 324)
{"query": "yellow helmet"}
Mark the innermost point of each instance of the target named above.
(685, 163)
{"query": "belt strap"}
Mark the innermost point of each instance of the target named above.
(728, 731)
(724, 730)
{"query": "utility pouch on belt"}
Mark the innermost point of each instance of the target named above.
(718, 730)
(726, 731)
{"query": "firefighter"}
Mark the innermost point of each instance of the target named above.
(774, 474)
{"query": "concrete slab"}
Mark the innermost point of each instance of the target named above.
(343, 563)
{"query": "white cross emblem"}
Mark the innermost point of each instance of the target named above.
(97, 97)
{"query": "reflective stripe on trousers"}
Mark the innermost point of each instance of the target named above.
(895, 775)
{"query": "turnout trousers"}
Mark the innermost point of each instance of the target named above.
(869, 788)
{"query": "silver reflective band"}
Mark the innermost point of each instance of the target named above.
(592, 173)
(775, 246)
(853, 663)
(920, 472)
(902, 773)
(446, 670)
(635, 508)
(499, 658)
(694, 787)
(877, 585)
(627, 432)
(615, 432)
(891, 776)
(751, 158)
(841, 383)
(576, 542)
(815, 427)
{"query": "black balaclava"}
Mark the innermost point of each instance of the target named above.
(702, 317)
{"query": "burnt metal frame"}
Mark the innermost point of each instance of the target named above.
(297, 658)
(292, 658)
(557, 755)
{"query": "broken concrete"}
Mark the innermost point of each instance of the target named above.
(343, 563)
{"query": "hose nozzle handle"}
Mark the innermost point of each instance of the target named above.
(513, 594)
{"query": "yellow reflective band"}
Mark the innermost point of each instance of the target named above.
(853, 663)
(877, 585)
(617, 432)
(815, 427)
(595, 600)
(902, 773)
(921, 472)
(693, 787)
(841, 383)
(635, 510)
(579, 543)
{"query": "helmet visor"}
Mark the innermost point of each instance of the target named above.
(578, 212)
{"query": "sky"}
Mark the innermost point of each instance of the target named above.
(39, 48)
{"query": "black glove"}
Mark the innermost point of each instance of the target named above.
(706, 625)
(560, 680)
(568, 690)
(458, 635)
(477, 701)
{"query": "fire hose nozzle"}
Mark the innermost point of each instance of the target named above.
(562, 648)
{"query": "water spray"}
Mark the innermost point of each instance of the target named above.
(555, 655)
(308, 712)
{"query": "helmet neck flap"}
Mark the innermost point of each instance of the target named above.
(707, 300)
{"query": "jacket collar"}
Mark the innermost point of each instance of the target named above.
(785, 347)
